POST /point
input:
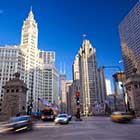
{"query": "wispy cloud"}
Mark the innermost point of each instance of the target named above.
(1, 11)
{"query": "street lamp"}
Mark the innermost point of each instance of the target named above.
(112, 67)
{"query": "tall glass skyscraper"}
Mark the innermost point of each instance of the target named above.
(129, 30)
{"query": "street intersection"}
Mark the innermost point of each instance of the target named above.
(91, 128)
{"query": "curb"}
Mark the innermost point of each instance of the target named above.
(1, 123)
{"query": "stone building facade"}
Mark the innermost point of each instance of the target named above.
(14, 98)
(133, 92)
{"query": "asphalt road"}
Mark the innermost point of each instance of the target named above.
(92, 128)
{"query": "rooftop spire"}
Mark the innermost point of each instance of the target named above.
(60, 68)
(64, 68)
(31, 15)
(31, 8)
(84, 36)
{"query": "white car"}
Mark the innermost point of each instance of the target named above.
(62, 119)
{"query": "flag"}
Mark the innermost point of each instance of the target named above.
(40, 100)
(54, 106)
(48, 104)
(45, 102)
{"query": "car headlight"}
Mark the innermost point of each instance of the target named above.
(65, 119)
(56, 120)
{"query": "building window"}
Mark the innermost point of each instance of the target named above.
(12, 90)
(136, 86)
(23, 108)
(17, 90)
(7, 90)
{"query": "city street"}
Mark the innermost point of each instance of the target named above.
(92, 128)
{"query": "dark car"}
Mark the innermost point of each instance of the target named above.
(16, 124)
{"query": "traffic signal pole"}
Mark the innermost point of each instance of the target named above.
(78, 117)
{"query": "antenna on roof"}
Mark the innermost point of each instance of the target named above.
(64, 68)
(60, 67)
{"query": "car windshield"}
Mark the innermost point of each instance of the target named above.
(126, 113)
(16, 119)
(122, 113)
(117, 113)
(62, 116)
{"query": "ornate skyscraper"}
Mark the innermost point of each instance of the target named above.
(29, 35)
(33, 64)
(88, 76)
(32, 68)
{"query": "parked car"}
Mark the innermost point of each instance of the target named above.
(16, 124)
(122, 116)
(62, 119)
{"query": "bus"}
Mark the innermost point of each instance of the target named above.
(48, 114)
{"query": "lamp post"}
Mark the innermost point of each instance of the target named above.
(122, 85)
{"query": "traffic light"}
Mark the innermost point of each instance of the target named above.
(77, 101)
(29, 109)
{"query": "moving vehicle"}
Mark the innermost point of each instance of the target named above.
(70, 117)
(62, 119)
(122, 116)
(16, 124)
(47, 114)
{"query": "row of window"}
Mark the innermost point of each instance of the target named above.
(12, 90)
(7, 51)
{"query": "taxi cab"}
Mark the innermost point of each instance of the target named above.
(122, 116)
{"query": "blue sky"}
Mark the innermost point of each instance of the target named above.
(61, 24)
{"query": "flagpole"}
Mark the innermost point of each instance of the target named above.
(38, 105)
